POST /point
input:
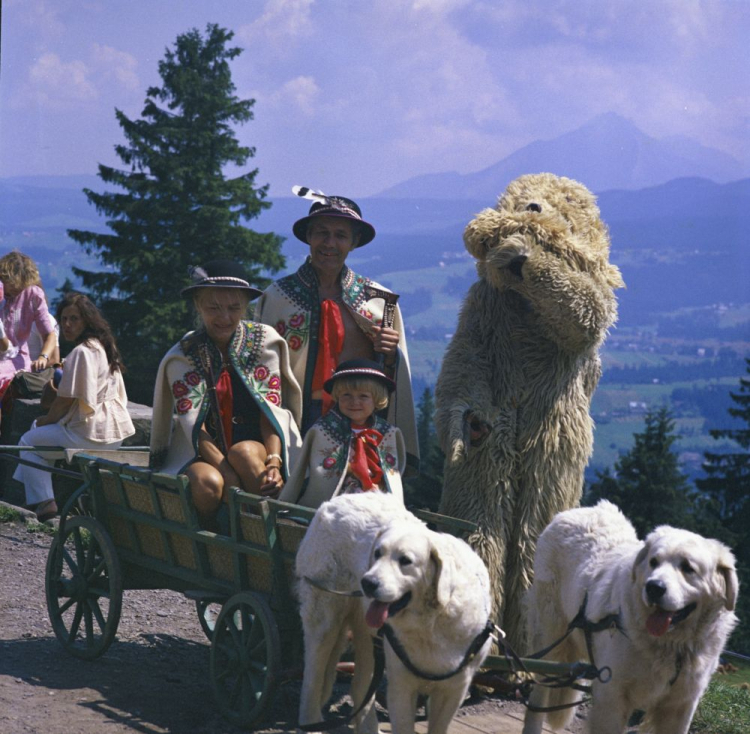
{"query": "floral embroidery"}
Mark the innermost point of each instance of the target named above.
(295, 331)
(390, 459)
(180, 389)
(266, 384)
(334, 459)
(188, 392)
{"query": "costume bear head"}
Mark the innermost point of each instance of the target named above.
(541, 214)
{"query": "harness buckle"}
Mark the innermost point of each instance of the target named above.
(497, 634)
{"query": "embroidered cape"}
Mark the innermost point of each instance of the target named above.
(260, 357)
(292, 306)
(321, 468)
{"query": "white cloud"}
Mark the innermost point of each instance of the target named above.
(58, 83)
(281, 21)
(301, 92)
(119, 65)
(41, 15)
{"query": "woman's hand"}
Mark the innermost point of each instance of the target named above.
(274, 482)
(41, 363)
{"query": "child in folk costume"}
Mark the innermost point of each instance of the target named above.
(350, 449)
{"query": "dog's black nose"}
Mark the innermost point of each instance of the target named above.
(655, 590)
(534, 207)
(369, 586)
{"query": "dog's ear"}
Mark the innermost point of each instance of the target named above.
(442, 583)
(639, 559)
(727, 570)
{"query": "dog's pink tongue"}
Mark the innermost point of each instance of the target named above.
(377, 614)
(658, 622)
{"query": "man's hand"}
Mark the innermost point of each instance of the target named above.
(385, 340)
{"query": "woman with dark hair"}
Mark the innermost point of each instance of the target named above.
(90, 409)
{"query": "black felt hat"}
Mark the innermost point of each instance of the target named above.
(363, 368)
(334, 206)
(220, 274)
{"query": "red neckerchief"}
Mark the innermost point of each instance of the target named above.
(365, 464)
(330, 344)
(225, 399)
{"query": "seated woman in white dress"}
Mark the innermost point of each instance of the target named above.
(90, 409)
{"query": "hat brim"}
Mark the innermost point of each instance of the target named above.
(367, 231)
(361, 373)
(252, 293)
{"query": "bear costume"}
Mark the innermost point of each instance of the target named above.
(514, 391)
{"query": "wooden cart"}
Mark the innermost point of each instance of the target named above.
(139, 530)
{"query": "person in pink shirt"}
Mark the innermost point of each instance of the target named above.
(24, 305)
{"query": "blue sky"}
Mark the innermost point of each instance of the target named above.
(353, 96)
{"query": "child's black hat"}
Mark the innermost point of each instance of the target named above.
(362, 368)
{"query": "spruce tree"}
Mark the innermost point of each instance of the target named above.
(728, 483)
(728, 473)
(647, 484)
(173, 206)
(424, 490)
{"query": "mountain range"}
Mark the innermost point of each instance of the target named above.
(677, 212)
(608, 152)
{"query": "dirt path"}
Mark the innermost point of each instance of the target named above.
(153, 679)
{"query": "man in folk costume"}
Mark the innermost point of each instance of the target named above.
(350, 449)
(327, 317)
(231, 387)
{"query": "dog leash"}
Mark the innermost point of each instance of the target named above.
(490, 630)
(320, 585)
(589, 671)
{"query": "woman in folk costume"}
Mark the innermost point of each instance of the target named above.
(236, 400)
(350, 449)
(328, 314)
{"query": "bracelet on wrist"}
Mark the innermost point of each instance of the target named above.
(45, 356)
(270, 457)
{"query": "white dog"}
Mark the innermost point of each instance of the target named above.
(431, 589)
(672, 598)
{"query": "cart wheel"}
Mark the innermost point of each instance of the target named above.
(208, 612)
(83, 584)
(245, 659)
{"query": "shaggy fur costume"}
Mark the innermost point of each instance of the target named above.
(515, 387)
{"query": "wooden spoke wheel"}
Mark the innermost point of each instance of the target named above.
(245, 659)
(83, 584)
(208, 612)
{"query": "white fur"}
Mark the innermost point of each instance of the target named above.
(595, 551)
(371, 538)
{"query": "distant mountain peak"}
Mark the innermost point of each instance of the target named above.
(607, 152)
